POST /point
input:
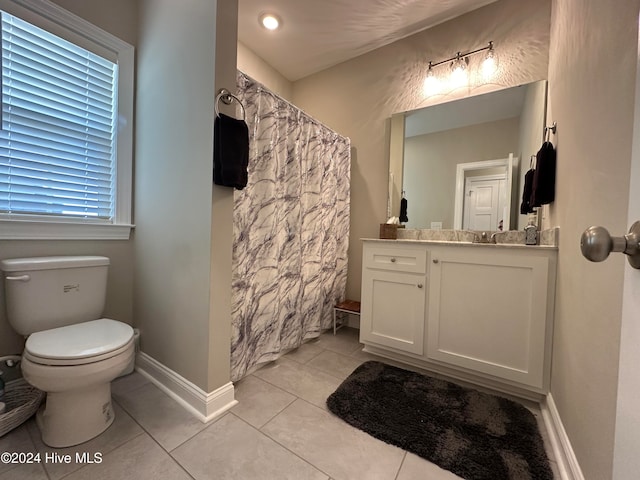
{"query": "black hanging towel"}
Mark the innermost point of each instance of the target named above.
(544, 179)
(230, 152)
(403, 210)
(525, 206)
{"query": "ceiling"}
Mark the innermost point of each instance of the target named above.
(317, 34)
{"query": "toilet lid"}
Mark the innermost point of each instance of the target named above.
(82, 340)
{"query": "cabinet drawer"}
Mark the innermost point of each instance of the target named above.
(398, 259)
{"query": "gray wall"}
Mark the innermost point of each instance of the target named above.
(258, 69)
(221, 225)
(592, 74)
(532, 121)
(177, 209)
(120, 18)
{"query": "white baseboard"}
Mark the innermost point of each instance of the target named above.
(204, 406)
(560, 444)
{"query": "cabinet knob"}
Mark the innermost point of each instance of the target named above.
(419, 285)
(393, 260)
(435, 260)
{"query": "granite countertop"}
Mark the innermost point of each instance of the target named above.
(460, 244)
(548, 239)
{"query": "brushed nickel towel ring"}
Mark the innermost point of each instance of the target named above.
(227, 98)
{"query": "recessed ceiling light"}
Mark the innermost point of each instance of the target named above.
(270, 21)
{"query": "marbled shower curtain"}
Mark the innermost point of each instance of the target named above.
(291, 230)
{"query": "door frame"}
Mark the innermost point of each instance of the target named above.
(462, 168)
(626, 461)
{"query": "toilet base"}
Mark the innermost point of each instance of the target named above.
(73, 417)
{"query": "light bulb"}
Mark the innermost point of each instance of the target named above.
(490, 63)
(459, 74)
(431, 83)
(269, 21)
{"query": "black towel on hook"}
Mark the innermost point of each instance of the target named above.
(525, 206)
(230, 152)
(544, 179)
(403, 210)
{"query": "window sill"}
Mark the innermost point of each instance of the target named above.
(41, 230)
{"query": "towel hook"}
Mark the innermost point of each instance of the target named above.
(549, 128)
(227, 98)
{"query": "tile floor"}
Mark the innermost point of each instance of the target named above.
(281, 429)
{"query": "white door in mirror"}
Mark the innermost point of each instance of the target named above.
(484, 202)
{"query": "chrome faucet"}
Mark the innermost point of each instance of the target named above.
(480, 237)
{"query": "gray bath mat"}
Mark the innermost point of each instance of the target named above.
(475, 435)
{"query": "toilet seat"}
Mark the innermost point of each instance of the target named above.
(79, 344)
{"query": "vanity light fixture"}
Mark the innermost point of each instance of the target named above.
(270, 21)
(459, 67)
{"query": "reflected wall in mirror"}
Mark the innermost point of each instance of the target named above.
(428, 144)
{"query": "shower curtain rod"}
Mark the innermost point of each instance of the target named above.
(275, 95)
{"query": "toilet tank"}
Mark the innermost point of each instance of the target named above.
(48, 292)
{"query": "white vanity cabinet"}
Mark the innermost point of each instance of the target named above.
(394, 285)
(484, 312)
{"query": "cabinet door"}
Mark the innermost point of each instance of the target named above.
(393, 310)
(488, 313)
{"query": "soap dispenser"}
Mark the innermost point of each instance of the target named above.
(531, 232)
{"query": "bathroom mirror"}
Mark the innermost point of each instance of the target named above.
(427, 147)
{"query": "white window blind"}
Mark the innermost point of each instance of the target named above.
(57, 142)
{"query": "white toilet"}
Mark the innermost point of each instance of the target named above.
(70, 353)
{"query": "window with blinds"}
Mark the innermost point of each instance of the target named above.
(58, 138)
